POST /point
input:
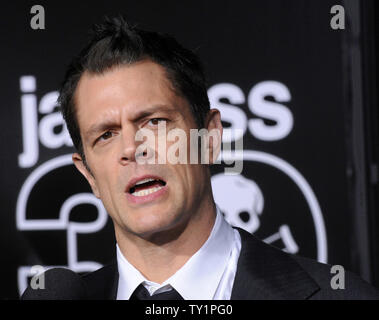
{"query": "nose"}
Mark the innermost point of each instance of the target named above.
(128, 146)
(133, 147)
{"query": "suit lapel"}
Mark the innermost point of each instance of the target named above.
(103, 283)
(264, 272)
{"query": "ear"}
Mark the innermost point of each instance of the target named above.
(79, 164)
(214, 126)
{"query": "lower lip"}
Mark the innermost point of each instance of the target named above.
(148, 198)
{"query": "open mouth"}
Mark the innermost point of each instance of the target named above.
(146, 186)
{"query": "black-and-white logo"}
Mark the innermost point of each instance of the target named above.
(286, 224)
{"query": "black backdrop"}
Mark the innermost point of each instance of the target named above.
(276, 70)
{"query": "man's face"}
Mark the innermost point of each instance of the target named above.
(111, 108)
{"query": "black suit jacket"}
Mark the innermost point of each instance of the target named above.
(263, 272)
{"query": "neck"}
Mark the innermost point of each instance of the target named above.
(161, 255)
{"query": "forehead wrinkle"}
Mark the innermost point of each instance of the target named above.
(108, 118)
(162, 86)
(150, 110)
(113, 118)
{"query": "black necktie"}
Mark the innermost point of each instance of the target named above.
(141, 293)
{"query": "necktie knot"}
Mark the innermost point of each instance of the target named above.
(141, 293)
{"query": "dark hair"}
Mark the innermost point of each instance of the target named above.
(114, 42)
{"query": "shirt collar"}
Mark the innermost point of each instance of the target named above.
(129, 277)
(200, 276)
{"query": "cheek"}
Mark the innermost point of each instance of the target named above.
(105, 181)
(190, 179)
(110, 194)
(102, 163)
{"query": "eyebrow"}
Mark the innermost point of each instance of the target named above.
(138, 116)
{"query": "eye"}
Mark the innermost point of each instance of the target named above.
(155, 121)
(106, 135)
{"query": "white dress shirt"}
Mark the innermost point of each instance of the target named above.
(208, 275)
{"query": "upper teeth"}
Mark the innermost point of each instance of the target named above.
(146, 191)
(144, 181)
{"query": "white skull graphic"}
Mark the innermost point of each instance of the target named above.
(235, 195)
